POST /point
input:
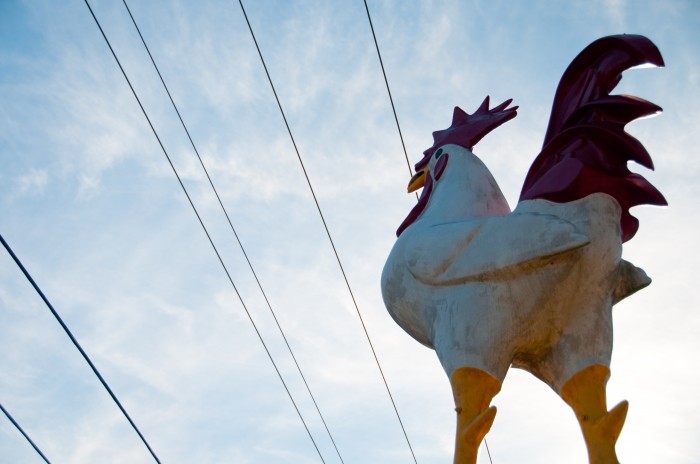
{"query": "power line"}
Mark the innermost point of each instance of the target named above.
(233, 229)
(77, 345)
(17, 426)
(488, 451)
(386, 81)
(398, 126)
(204, 228)
(325, 225)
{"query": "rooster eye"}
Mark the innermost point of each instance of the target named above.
(438, 153)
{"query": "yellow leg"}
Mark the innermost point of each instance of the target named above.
(473, 390)
(585, 393)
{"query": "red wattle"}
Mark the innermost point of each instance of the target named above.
(420, 206)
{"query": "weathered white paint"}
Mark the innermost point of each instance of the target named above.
(487, 287)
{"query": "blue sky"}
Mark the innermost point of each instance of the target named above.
(90, 205)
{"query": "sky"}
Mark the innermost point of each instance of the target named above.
(90, 205)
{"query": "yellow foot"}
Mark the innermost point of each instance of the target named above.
(602, 435)
(476, 430)
(473, 390)
(585, 393)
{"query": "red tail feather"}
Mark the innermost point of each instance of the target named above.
(586, 148)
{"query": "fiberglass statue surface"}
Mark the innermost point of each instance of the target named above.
(487, 287)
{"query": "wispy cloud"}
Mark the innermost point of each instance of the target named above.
(34, 182)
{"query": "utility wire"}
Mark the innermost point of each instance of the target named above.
(386, 81)
(233, 229)
(393, 108)
(204, 228)
(14, 422)
(77, 345)
(328, 233)
(488, 451)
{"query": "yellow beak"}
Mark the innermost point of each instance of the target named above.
(418, 180)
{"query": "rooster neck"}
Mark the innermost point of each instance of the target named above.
(466, 190)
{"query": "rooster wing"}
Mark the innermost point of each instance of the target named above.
(488, 249)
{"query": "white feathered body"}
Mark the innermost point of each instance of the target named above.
(487, 287)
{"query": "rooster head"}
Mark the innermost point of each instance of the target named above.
(466, 131)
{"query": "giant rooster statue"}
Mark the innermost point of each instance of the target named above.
(488, 288)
